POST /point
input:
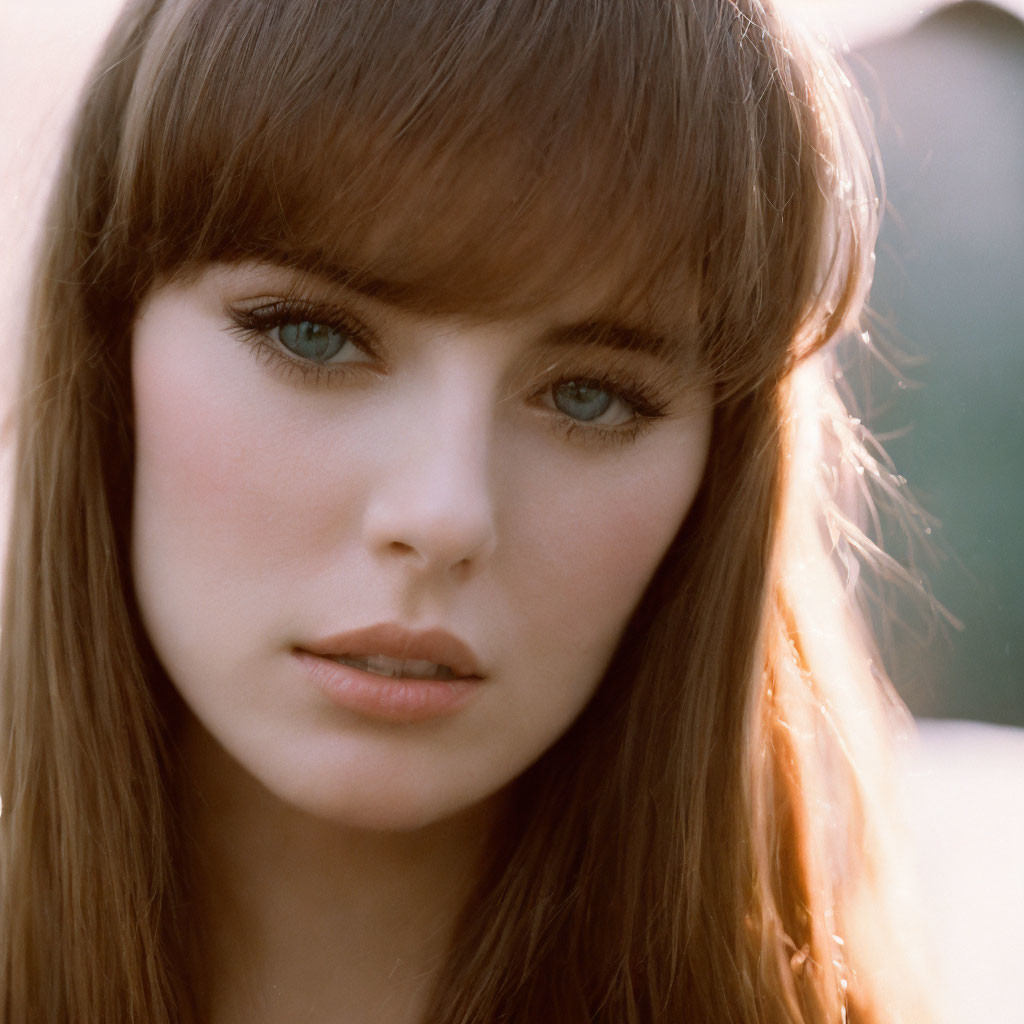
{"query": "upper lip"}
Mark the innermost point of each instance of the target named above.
(395, 641)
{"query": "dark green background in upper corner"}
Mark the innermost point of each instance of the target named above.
(948, 101)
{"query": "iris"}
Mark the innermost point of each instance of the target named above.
(582, 399)
(315, 341)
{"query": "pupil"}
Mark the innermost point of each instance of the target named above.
(582, 400)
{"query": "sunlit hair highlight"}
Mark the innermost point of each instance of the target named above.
(708, 841)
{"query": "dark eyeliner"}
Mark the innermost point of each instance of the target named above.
(647, 402)
(253, 321)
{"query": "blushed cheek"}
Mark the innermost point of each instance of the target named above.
(198, 479)
(230, 476)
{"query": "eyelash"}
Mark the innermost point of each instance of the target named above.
(252, 325)
(645, 401)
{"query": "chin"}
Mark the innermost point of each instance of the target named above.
(388, 804)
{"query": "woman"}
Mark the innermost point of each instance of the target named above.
(415, 607)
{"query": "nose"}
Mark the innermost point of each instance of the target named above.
(432, 510)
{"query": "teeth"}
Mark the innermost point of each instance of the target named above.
(395, 668)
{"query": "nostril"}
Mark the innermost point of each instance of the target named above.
(462, 569)
(429, 535)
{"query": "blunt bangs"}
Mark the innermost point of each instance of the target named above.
(484, 156)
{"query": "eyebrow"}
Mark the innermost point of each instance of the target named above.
(619, 337)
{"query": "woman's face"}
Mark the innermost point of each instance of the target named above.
(385, 557)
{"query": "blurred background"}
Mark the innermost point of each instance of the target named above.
(943, 392)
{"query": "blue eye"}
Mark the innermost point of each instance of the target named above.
(317, 342)
(306, 336)
(583, 400)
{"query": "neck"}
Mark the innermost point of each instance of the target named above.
(305, 919)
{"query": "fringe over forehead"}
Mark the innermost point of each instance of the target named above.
(482, 156)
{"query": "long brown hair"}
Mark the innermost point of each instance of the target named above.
(708, 841)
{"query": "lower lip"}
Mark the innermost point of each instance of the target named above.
(384, 697)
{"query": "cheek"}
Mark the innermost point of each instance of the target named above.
(603, 555)
(616, 517)
(628, 528)
(201, 468)
(588, 534)
(599, 529)
(231, 478)
(226, 488)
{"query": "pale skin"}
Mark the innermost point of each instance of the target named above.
(512, 482)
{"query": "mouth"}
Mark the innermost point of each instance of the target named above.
(393, 674)
(395, 652)
(399, 668)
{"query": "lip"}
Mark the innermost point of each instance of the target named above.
(389, 699)
(395, 641)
